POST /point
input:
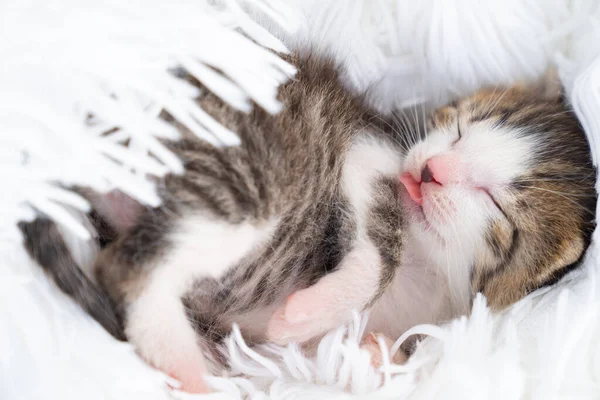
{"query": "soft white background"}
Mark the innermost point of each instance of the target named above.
(64, 58)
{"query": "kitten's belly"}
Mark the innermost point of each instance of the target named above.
(309, 240)
(417, 295)
(253, 323)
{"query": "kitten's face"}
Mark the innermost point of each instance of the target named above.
(503, 187)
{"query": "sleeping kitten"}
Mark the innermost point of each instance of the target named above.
(320, 212)
(499, 199)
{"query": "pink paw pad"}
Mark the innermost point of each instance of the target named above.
(370, 343)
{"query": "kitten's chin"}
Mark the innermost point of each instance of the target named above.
(419, 224)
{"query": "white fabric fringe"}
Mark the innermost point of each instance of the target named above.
(64, 59)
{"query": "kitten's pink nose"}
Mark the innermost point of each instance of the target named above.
(427, 175)
(440, 169)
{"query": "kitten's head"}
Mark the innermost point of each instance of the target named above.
(501, 191)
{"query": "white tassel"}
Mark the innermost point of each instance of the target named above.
(113, 61)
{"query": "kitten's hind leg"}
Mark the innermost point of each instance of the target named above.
(157, 325)
(156, 322)
(329, 303)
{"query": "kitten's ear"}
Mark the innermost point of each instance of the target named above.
(549, 86)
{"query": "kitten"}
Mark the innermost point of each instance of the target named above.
(297, 205)
(320, 212)
(499, 200)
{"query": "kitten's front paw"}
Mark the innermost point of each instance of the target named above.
(303, 317)
(371, 344)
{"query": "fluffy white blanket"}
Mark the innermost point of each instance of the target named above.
(67, 58)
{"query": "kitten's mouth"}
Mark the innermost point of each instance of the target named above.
(414, 186)
(415, 200)
(413, 203)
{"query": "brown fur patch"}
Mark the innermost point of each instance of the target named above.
(442, 117)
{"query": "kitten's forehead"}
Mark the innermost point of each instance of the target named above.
(514, 131)
(491, 100)
(497, 154)
(491, 152)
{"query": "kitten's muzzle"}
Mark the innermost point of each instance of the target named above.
(434, 171)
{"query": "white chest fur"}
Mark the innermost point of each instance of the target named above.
(368, 159)
(419, 292)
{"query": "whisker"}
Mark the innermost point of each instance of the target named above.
(415, 121)
(579, 179)
(424, 120)
(412, 134)
(407, 136)
(566, 196)
(397, 136)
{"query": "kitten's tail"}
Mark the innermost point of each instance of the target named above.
(47, 247)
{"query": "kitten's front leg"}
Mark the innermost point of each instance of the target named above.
(154, 316)
(329, 303)
(360, 278)
(157, 324)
